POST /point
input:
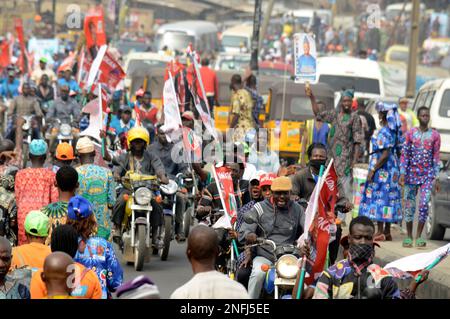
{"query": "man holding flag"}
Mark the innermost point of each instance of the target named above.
(357, 277)
(282, 220)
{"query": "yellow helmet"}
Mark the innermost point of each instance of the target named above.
(138, 132)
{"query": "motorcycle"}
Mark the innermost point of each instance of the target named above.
(169, 205)
(64, 132)
(136, 228)
(281, 277)
(188, 182)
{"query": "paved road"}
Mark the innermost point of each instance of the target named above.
(168, 275)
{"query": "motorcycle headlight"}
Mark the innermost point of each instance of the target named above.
(65, 129)
(143, 196)
(170, 188)
(287, 267)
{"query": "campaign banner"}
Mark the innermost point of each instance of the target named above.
(94, 28)
(5, 54)
(111, 72)
(359, 181)
(305, 56)
(172, 119)
(225, 188)
(43, 48)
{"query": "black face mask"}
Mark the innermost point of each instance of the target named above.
(317, 163)
(361, 253)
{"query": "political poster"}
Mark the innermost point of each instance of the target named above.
(43, 48)
(305, 58)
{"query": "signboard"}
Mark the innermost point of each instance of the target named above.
(305, 58)
(43, 48)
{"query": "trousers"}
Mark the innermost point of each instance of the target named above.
(409, 196)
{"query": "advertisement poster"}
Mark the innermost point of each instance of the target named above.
(305, 58)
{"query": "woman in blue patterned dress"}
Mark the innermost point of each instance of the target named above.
(94, 252)
(381, 200)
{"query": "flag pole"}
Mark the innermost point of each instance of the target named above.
(301, 278)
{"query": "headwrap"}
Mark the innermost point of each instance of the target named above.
(393, 120)
(348, 93)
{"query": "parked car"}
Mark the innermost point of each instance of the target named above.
(439, 207)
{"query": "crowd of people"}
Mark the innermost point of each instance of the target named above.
(64, 205)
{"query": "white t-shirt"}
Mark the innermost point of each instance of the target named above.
(210, 285)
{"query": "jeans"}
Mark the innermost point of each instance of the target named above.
(256, 281)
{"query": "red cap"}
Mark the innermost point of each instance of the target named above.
(266, 179)
(140, 92)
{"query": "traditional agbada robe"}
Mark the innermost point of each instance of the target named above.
(34, 189)
(242, 106)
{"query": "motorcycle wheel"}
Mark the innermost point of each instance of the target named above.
(139, 252)
(166, 236)
(187, 221)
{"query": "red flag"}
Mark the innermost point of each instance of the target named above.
(225, 187)
(85, 62)
(94, 30)
(111, 73)
(5, 57)
(320, 227)
(19, 30)
(67, 63)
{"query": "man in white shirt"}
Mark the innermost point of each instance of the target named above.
(207, 283)
(41, 70)
(262, 157)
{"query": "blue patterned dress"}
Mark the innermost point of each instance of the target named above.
(98, 254)
(381, 200)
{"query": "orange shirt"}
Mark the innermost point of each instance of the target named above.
(31, 255)
(210, 82)
(89, 287)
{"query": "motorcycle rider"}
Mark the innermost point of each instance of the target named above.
(305, 180)
(37, 74)
(9, 87)
(140, 161)
(282, 221)
(163, 149)
(122, 122)
(45, 92)
(23, 105)
(66, 110)
(147, 113)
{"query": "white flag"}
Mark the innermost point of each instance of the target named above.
(223, 222)
(172, 119)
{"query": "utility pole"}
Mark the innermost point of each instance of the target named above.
(255, 38)
(414, 44)
(54, 17)
(265, 24)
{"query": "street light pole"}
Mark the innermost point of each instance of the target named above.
(255, 39)
(413, 47)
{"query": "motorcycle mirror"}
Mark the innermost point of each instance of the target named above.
(250, 219)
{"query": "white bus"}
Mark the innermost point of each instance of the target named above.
(346, 73)
(237, 39)
(177, 36)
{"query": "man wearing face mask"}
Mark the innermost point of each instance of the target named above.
(66, 110)
(282, 221)
(345, 136)
(303, 184)
(356, 277)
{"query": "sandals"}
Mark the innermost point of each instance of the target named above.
(407, 243)
(421, 243)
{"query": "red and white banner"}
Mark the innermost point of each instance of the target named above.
(68, 62)
(94, 28)
(319, 217)
(224, 182)
(172, 119)
(111, 72)
(192, 143)
(20, 37)
(412, 265)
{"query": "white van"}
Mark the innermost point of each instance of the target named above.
(436, 96)
(142, 60)
(393, 10)
(352, 73)
(235, 37)
(177, 36)
(305, 16)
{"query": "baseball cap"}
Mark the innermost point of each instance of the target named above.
(64, 151)
(266, 179)
(38, 147)
(85, 145)
(125, 108)
(79, 208)
(43, 60)
(189, 115)
(37, 224)
(12, 73)
(281, 184)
